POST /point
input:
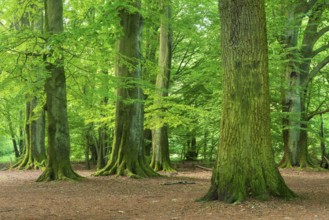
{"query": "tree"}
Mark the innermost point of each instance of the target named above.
(301, 51)
(35, 151)
(127, 156)
(58, 161)
(34, 154)
(245, 163)
(160, 143)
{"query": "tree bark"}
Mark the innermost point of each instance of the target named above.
(127, 156)
(160, 144)
(58, 161)
(245, 161)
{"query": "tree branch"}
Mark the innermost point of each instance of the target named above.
(312, 114)
(321, 32)
(315, 71)
(320, 49)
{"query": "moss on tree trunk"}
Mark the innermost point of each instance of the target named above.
(58, 161)
(245, 162)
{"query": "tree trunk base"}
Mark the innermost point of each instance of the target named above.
(304, 163)
(236, 195)
(285, 163)
(165, 167)
(28, 164)
(123, 168)
(62, 173)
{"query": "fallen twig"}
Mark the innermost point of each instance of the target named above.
(178, 182)
(204, 168)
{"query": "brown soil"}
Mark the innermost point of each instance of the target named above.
(157, 198)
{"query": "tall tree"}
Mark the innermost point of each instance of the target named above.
(160, 143)
(35, 151)
(58, 161)
(298, 75)
(245, 163)
(127, 156)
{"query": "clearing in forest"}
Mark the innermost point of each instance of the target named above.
(152, 198)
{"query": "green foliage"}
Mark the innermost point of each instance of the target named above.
(5, 146)
(88, 45)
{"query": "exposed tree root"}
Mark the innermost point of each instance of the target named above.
(304, 163)
(260, 187)
(27, 163)
(285, 163)
(165, 167)
(62, 173)
(133, 169)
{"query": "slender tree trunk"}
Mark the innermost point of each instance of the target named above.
(151, 46)
(160, 143)
(148, 141)
(127, 156)
(324, 162)
(245, 161)
(205, 145)
(58, 161)
(102, 147)
(13, 136)
(89, 142)
(192, 150)
(21, 135)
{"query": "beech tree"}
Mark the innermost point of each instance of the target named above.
(58, 162)
(303, 49)
(245, 162)
(127, 155)
(35, 151)
(160, 142)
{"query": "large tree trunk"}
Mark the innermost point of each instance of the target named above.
(245, 162)
(127, 156)
(298, 76)
(291, 90)
(58, 161)
(160, 143)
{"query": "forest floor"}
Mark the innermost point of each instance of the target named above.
(156, 198)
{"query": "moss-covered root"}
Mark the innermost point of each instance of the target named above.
(304, 163)
(28, 164)
(51, 174)
(165, 167)
(241, 195)
(133, 170)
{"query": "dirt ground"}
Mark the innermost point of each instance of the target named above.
(157, 198)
